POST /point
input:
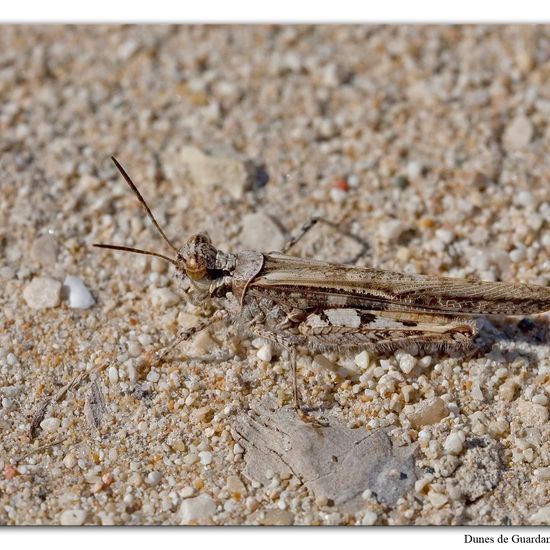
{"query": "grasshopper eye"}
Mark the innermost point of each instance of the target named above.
(196, 268)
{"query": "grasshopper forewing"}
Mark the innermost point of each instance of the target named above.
(301, 302)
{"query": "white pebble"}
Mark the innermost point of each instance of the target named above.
(50, 424)
(390, 230)
(187, 492)
(153, 477)
(145, 340)
(445, 236)
(414, 169)
(437, 500)
(79, 295)
(406, 362)
(42, 292)
(69, 461)
(73, 517)
(454, 443)
(524, 198)
(12, 360)
(476, 391)
(112, 373)
(369, 518)
(362, 360)
(7, 403)
(153, 376)
(205, 457)
(265, 353)
(197, 508)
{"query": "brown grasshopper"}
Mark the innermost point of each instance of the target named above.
(294, 302)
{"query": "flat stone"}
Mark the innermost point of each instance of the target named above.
(215, 171)
(42, 293)
(332, 460)
(260, 232)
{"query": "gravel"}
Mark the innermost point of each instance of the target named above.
(427, 143)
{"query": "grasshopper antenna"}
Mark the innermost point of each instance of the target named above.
(142, 201)
(135, 250)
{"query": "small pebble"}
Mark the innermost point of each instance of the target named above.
(187, 492)
(369, 518)
(406, 362)
(437, 500)
(73, 517)
(362, 360)
(69, 460)
(197, 508)
(390, 230)
(518, 134)
(454, 443)
(153, 477)
(426, 412)
(50, 424)
(79, 295)
(476, 391)
(43, 292)
(205, 458)
(112, 373)
(265, 353)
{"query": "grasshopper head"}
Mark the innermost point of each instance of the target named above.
(198, 257)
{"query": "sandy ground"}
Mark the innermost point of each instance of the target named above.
(428, 143)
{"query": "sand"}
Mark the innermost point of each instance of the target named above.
(427, 145)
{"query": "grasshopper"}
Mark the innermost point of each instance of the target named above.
(296, 302)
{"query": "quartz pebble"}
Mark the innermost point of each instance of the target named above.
(406, 362)
(198, 508)
(43, 292)
(426, 412)
(75, 516)
(153, 477)
(437, 500)
(362, 360)
(265, 353)
(390, 230)
(454, 443)
(369, 518)
(50, 424)
(79, 296)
